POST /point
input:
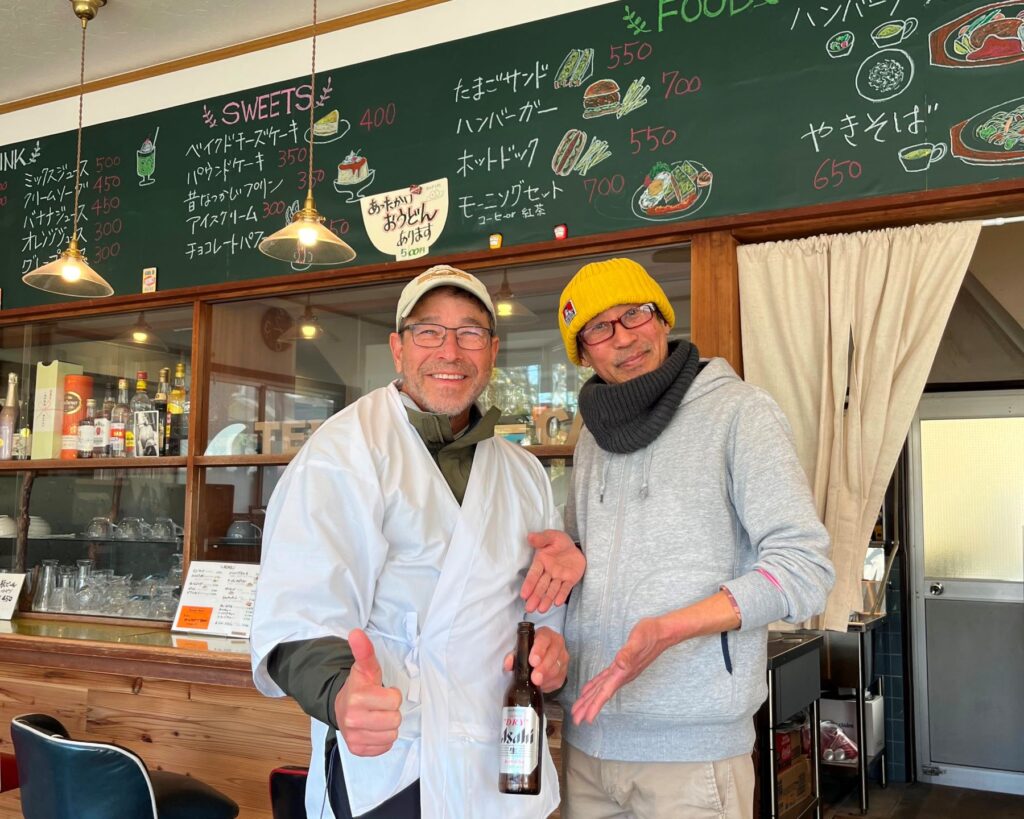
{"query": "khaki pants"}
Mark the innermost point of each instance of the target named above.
(604, 789)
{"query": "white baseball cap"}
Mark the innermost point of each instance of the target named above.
(440, 275)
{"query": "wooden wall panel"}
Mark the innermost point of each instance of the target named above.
(715, 297)
(231, 738)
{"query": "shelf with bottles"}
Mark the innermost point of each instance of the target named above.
(72, 389)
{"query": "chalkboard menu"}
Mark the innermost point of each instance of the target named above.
(620, 116)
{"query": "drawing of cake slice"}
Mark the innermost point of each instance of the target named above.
(353, 169)
(327, 125)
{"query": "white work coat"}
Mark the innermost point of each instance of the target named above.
(364, 532)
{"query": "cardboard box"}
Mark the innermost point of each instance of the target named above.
(843, 713)
(48, 412)
(794, 784)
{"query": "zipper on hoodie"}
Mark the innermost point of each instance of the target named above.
(613, 557)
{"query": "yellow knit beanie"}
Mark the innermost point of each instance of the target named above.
(600, 285)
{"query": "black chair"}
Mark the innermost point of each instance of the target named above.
(288, 792)
(62, 778)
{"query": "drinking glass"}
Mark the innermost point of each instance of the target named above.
(64, 595)
(46, 584)
(84, 569)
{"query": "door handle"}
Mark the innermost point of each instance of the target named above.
(936, 589)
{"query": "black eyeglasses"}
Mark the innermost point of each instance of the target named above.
(434, 335)
(634, 317)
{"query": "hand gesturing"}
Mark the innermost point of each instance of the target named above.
(557, 566)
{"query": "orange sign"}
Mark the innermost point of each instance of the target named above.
(195, 617)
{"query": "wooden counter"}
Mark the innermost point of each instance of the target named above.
(183, 703)
(189, 708)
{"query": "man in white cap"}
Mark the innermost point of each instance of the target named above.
(403, 529)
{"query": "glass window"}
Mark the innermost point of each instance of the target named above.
(232, 509)
(116, 528)
(974, 534)
(280, 366)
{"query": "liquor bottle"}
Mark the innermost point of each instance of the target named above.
(119, 421)
(87, 430)
(177, 413)
(102, 446)
(9, 419)
(522, 719)
(142, 436)
(23, 438)
(160, 403)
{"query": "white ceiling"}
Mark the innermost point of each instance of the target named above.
(40, 39)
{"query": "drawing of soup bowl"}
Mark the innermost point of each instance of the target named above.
(892, 32)
(916, 158)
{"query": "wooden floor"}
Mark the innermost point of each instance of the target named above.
(921, 801)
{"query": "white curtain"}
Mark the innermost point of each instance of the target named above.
(852, 318)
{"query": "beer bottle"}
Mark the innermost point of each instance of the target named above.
(522, 724)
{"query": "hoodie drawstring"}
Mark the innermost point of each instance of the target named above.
(646, 474)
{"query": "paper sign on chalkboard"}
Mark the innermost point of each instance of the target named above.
(406, 222)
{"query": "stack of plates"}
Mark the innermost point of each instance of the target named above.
(37, 527)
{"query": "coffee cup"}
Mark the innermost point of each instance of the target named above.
(133, 529)
(917, 158)
(8, 526)
(100, 527)
(893, 32)
(244, 530)
(165, 529)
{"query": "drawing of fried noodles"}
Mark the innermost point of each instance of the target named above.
(1004, 128)
(886, 76)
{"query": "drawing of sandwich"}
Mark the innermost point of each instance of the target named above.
(576, 68)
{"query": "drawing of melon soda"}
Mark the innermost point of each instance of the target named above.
(145, 160)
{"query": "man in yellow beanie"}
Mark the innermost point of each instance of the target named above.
(699, 530)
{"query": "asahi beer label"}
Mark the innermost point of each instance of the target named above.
(520, 741)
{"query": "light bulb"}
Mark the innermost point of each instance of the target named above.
(504, 309)
(307, 236)
(308, 330)
(139, 336)
(71, 272)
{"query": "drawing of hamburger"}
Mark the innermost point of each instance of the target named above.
(568, 152)
(600, 98)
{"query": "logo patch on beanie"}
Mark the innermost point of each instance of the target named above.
(568, 312)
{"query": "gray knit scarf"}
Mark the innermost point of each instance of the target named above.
(626, 417)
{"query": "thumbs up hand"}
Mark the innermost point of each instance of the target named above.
(367, 714)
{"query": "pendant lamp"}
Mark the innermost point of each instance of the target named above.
(307, 240)
(142, 334)
(307, 327)
(508, 308)
(70, 274)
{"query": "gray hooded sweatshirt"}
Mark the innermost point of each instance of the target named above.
(718, 496)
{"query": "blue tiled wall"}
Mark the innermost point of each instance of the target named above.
(889, 664)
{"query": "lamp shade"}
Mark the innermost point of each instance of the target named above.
(508, 309)
(69, 275)
(307, 328)
(307, 241)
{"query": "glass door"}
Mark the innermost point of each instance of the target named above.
(967, 550)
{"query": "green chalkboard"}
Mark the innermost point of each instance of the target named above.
(620, 116)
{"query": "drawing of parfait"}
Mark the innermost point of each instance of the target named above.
(145, 160)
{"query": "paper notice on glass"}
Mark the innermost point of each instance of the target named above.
(217, 598)
(10, 588)
(406, 222)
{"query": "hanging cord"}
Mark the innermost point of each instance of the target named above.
(78, 150)
(312, 100)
